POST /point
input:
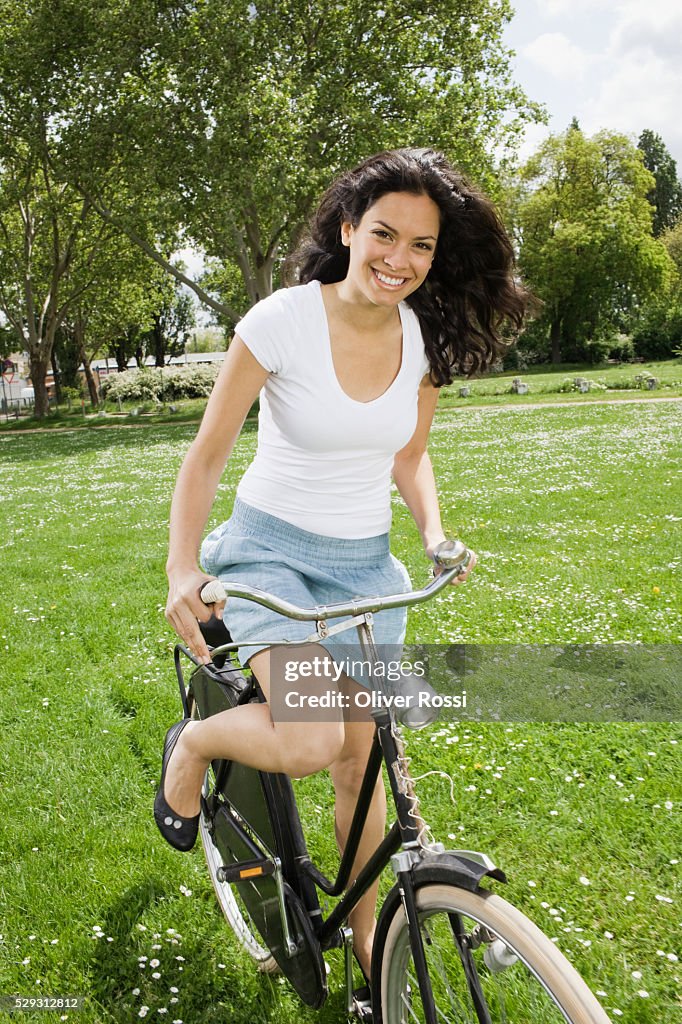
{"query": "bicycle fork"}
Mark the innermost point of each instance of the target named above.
(412, 829)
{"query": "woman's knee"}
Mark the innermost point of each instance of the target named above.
(348, 774)
(312, 748)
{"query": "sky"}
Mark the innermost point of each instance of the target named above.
(614, 64)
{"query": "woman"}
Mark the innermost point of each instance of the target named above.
(405, 280)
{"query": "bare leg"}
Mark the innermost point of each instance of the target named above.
(247, 734)
(347, 773)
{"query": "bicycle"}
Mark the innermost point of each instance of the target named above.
(446, 949)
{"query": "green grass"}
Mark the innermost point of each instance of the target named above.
(574, 513)
(613, 383)
(129, 414)
(549, 384)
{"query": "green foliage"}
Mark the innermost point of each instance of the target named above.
(8, 341)
(546, 385)
(584, 228)
(666, 195)
(206, 339)
(229, 119)
(657, 331)
(172, 321)
(571, 385)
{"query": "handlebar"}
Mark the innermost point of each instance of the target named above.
(451, 556)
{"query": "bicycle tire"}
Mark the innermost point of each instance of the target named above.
(251, 907)
(230, 902)
(541, 985)
(227, 895)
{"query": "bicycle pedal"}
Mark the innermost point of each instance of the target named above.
(362, 1009)
(244, 870)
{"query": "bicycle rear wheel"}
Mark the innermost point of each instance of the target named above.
(228, 897)
(488, 964)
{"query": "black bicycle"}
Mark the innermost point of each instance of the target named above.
(447, 949)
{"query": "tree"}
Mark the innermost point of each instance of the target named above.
(49, 233)
(49, 240)
(666, 195)
(657, 332)
(136, 311)
(172, 323)
(229, 118)
(583, 225)
(219, 123)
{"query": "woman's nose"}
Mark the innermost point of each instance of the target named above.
(397, 258)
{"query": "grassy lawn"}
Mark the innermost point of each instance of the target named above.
(545, 385)
(575, 515)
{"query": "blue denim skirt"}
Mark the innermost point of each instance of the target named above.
(306, 569)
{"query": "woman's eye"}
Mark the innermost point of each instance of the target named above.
(382, 234)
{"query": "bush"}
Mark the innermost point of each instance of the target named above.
(161, 385)
(659, 334)
(570, 384)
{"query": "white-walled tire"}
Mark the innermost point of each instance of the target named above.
(531, 981)
(228, 898)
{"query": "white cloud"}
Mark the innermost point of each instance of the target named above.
(556, 55)
(642, 92)
(657, 30)
(614, 64)
(533, 137)
(641, 86)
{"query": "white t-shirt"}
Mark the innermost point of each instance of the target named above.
(324, 460)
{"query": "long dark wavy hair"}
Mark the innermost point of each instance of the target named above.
(470, 304)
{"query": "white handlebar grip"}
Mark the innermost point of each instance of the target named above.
(212, 592)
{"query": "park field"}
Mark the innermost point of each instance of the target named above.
(575, 514)
(553, 385)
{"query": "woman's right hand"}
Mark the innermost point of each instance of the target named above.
(184, 607)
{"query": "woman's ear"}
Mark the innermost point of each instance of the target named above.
(346, 231)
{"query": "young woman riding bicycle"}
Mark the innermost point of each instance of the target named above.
(406, 279)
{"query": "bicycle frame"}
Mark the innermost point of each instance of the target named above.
(405, 835)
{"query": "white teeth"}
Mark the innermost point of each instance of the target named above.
(389, 280)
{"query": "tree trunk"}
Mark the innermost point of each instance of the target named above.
(121, 356)
(159, 343)
(263, 279)
(555, 338)
(57, 377)
(38, 364)
(89, 377)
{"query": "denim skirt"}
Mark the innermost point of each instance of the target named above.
(306, 569)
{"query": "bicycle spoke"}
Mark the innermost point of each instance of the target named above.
(514, 976)
(408, 1006)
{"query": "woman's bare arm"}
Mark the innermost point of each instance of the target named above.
(413, 475)
(238, 384)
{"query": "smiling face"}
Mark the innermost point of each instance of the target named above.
(392, 247)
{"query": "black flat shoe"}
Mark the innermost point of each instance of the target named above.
(180, 832)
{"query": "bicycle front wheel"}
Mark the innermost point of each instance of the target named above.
(488, 964)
